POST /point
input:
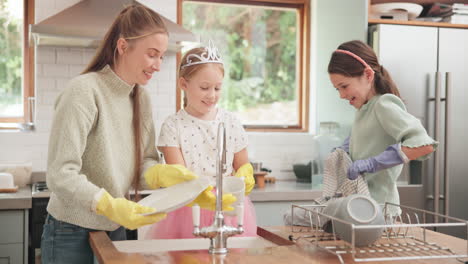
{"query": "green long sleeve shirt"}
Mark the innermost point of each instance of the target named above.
(381, 122)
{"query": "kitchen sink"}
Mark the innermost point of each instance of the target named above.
(159, 245)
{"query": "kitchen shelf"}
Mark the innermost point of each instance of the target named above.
(417, 23)
(413, 22)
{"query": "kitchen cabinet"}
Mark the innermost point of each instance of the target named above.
(13, 236)
(430, 67)
(11, 253)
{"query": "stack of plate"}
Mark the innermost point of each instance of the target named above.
(395, 11)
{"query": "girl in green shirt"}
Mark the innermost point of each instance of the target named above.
(384, 135)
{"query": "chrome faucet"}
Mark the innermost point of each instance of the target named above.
(218, 232)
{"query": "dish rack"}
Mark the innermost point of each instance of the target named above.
(406, 236)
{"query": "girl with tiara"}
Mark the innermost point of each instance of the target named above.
(189, 138)
(384, 135)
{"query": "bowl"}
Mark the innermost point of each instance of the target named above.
(358, 210)
(303, 172)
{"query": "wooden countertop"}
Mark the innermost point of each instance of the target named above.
(286, 252)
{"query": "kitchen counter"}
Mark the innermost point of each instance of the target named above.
(279, 191)
(286, 251)
(286, 191)
(21, 199)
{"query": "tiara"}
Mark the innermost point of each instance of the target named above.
(210, 55)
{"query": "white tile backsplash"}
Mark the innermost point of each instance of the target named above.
(68, 56)
(55, 66)
(54, 70)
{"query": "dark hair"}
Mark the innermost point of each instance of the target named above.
(341, 63)
(133, 22)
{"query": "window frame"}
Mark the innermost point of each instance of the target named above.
(28, 64)
(303, 9)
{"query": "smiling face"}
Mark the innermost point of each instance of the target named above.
(140, 58)
(203, 91)
(357, 90)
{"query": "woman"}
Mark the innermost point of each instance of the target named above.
(102, 139)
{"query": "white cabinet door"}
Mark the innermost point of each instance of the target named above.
(11, 253)
(453, 58)
(12, 227)
(409, 53)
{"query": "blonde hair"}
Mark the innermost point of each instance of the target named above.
(133, 22)
(190, 71)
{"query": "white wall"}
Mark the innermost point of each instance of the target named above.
(334, 22)
(55, 66)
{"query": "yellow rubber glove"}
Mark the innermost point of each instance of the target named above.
(165, 175)
(246, 171)
(125, 212)
(207, 200)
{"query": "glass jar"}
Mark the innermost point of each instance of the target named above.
(326, 141)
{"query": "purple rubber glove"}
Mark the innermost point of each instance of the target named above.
(392, 156)
(344, 146)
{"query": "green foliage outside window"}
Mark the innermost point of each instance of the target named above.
(258, 46)
(11, 29)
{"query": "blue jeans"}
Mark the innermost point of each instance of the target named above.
(62, 242)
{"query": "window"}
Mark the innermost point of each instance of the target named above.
(265, 48)
(16, 61)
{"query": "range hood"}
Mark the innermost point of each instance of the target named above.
(85, 24)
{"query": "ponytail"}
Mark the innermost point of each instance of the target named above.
(383, 82)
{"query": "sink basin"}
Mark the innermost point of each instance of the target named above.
(159, 245)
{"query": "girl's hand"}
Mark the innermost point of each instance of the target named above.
(165, 175)
(392, 156)
(246, 171)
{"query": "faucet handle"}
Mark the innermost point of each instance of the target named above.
(196, 215)
(240, 214)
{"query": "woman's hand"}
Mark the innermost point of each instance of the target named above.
(126, 213)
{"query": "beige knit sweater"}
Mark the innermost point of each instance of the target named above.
(91, 146)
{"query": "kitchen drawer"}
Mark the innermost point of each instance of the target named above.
(11, 254)
(12, 227)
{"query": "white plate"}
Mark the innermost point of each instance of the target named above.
(174, 197)
(413, 9)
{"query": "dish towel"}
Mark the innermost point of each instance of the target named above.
(335, 185)
(335, 178)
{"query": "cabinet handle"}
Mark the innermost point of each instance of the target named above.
(448, 102)
(436, 138)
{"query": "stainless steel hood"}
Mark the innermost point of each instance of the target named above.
(85, 24)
